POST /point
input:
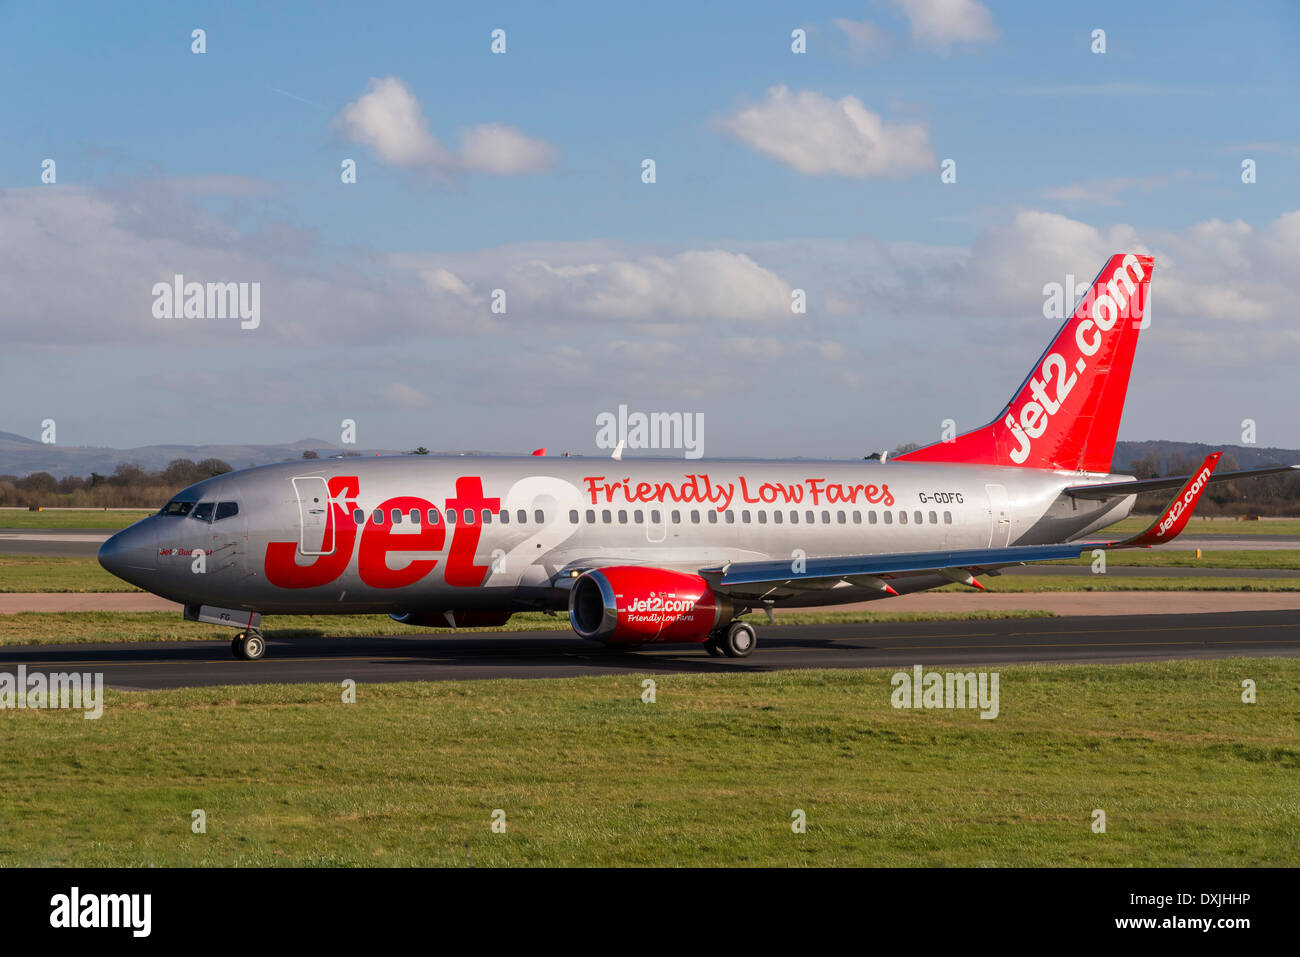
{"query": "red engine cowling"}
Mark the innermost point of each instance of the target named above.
(464, 619)
(635, 604)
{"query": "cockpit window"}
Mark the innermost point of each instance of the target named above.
(176, 507)
(226, 510)
(203, 511)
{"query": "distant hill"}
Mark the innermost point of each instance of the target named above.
(1247, 456)
(22, 456)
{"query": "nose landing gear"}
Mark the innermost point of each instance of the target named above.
(249, 645)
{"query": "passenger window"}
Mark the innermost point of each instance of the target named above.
(918, 518)
(414, 516)
(778, 516)
(677, 517)
(695, 516)
(451, 516)
(486, 517)
(396, 515)
(469, 516)
(902, 517)
(203, 511)
(731, 516)
(573, 516)
(826, 517)
(839, 517)
(540, 517)
(889, 517)
(504, 517)
(358, 517)
(934, 519)
(377, 517)
(810, 516)
(762, 516)
(794, 517)
(744, 516)
(226, 510)
(522, 515)
(857, 518)
(591, 516)
(654, 515)
(871, 517)
(433, 516)
(638, 516)
(622, 516)
(713, 517)
(607, 516)
(947, 518)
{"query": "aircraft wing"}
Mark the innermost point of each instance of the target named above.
(759, 580)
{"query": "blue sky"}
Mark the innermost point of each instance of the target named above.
(225, 167)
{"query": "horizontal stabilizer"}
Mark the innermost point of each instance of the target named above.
(1105, 490)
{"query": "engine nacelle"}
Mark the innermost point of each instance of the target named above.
(635, 604)
(463, 619)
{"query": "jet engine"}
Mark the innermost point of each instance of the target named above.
(635, 604)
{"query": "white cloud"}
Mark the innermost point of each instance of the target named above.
(602, 282)
(497, 148)
(865, 37)
(817, 135)
(388, 119)
(942, 23)
(78, 266)
(601, 322)
(1106, 192)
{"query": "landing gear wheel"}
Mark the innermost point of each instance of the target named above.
(739, 640)
(248, 645)
(713, 647)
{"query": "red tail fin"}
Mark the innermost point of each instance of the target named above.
(1066, 413)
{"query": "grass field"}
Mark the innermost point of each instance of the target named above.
(77, 627)
(1216, 526)
(57, 573)
(710, 774)
(111, 519)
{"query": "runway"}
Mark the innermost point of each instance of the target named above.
(1097, 639)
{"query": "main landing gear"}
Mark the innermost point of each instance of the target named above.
(737, 640)
(249, 645)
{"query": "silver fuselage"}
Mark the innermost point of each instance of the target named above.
(295, 547)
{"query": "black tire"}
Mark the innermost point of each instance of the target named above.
(250, 646)
(713, 647)
(739, 640)
(234, 646)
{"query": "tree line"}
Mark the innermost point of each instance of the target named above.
(130, 486)
(1273, 495)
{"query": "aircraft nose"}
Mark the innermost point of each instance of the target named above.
(131, 554)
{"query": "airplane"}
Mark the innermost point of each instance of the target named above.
(646, 551)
